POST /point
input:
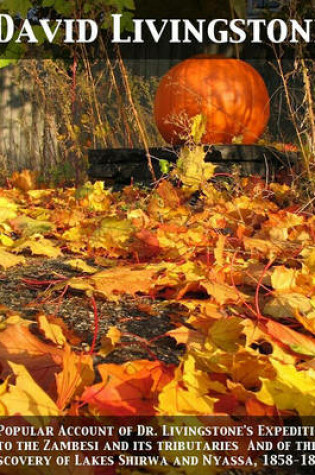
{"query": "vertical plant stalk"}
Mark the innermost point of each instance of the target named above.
(95, 99)
(135, 113)
(116, 87)
(236, 45)
(310, 101)
(292, 112)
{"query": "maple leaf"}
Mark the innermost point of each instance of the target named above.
(219, 250)
(123, 280)
(109, 341)
(128, 389)
(222, 293)
(20, 346)
(77, 373)
(27, 226)
(51, 331)
(265, 247)
(226, 334)
(280, 224)
(38, 246)
(24, 180)
(81, 266)
(197, 380)
(26, 397)
(308, 254)
(8, 209)
(290, 389)
(283, 278)
(248, 368)
(297, 342)
(112, 234)
(171, 196)
(187, 336)
(8, 260)
(176, 399)
(308, 321)
(94, 196)
(192, 169)
(286, 304)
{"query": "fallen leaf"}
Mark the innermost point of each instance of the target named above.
(38, 246)
(8, 260)
(76, 375)
(109, 341)
(26, 397)
(290, 389)
(81, 266)
(51, 331)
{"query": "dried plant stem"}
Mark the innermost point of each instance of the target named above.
(292, 113)
(118, 93)
(310, 102)
(94, 95)
(135, 113)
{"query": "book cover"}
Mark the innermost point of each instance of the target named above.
(157, 237)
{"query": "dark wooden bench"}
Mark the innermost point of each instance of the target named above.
(121, 166)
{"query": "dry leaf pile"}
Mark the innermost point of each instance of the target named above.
(239, 263)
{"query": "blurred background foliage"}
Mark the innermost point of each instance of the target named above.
(53, 111)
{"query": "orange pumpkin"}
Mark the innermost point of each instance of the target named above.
(229, 93)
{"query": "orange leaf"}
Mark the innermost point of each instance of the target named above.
(77, 373)
(20, 346)
(25, 180)
(128, 389)
(297, 342)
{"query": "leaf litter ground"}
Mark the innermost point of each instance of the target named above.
(19, 296)
(194, 298)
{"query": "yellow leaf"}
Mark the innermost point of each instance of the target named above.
(222, 293)
(190, 338)
(29, 226)
(123, 280)
(112, 233)
(3, 390)
(308, 321)
(109, 341)
(226, 334)
(309, 257)
(283, 278)
(174, 399)
(81, 266)
(26, 398)
(195, 379)
(219, 250)
(73, 234)
(7, 209)
(8, 260)
(6, 240)
(285, 305)
(269, 249)
(290, 389)
(51, 331)
(198, 127)
(38, 246)
(192, 168)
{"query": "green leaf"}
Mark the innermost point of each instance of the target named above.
(6, 62)
(165, 166)
(62, 7)
(17, 6)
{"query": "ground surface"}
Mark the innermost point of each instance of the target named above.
(18, 294)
